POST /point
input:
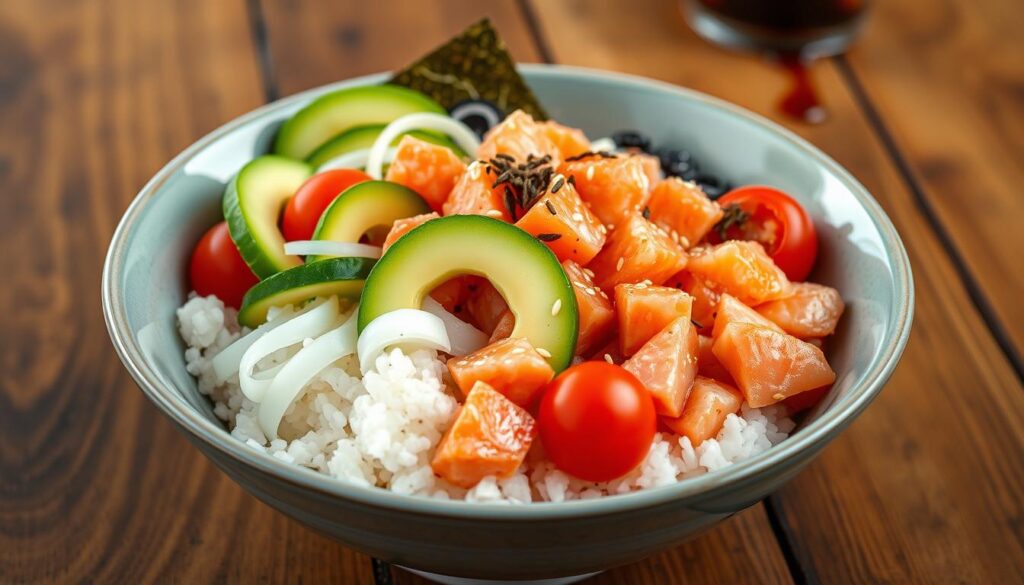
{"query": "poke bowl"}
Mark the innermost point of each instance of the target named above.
(859, 255)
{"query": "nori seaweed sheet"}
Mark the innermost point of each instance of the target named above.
(473, 65)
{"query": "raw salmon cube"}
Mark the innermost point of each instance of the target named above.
(569, 141)
(506, 323)
(403, 226)
(519, 136)
(811, 310)
(428, 169)
(637, 250)
(708, 365)
(667, 365)
(645, 310)
(705, 298)
(490, 436)
(731, 310)
(742, 269)
(769, 366)
(564, 224)
(613, 186)
(683, 210)
(485, 305)
(707, 406)
(473, 194)
(652, 167)
(596, 314)
(510, 366)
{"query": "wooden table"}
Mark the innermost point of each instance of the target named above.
(95, 96)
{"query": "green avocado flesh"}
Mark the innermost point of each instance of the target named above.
(364, 136)
(252, 203)
(523, 270)
(367, 205)
(331, 114)
(342, 277)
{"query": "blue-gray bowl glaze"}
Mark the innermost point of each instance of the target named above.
(861, 255)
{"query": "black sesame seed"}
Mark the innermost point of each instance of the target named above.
(548, 237)
(551, 208)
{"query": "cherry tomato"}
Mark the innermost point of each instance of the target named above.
(307, 205)
(218, 269)
(596, 421)
(774, 219)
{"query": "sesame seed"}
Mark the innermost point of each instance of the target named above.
(492, 213)
(591, 292)
(588, 272)
(778, 396)
(608, 358)
(590, 173)
(543, 352)
(577, 216)
(556, 307)
(684, 242)
(618, 265)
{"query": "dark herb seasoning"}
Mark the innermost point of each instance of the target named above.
(548, 237)
(647, 212)
(590, 154)
(551, 208)
(732, 216)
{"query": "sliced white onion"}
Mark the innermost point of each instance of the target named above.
(331, 248)
(311, 324)
(225, 363)
(300, 370)
(464, 337)
(459, 132)
(406, 328)
(354, 160)
(603, 145)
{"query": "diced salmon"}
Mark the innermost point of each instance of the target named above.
(519, 136)
(742, 269)
(473, 194)
(705, 298)
(667, 365)
(806, 400)
(613, 186)
(428, 169)
(730, 310)
(706, 409)
(645, 310)
(510, 366)
(596, 314)
(609, 353)
(403, 226)
(565, 224)
(637, 250)
(769, 366)
(485, 305)
(681, 208)
(708, 365)
(506, 323)
(652, 167)
(811, 310)
(490, 436)
(453, 293)
(569, 141)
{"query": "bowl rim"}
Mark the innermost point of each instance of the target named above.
(815, 434)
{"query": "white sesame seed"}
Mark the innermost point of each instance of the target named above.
(684, 242)
(577, 216)
(556, 307)
(590, 173)
(618, 265)
(608, 358)
(543, 352)
(588, 272)
(778, 396)
(492, 213)
(609, 227)
(591, 292)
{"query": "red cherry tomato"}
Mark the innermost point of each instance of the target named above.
(218, 269)
(775, 220)
(596, 421)
(307, 205)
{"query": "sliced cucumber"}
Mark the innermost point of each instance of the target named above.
(341, 277)
(362, 137)
(334, 113)
(253, 202)
(522, 268)
(365, 206)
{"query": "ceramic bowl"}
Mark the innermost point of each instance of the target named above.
(861, 255)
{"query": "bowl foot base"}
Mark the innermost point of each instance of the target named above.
(447, 580)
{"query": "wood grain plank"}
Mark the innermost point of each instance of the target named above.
(925, 486)
(308, 49)
(95, 486)
(964, 143)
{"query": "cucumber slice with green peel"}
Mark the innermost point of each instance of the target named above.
(252, 204)
(331, 114)
(342, 277)
(365, 206)
(364, 136)
(524, 270)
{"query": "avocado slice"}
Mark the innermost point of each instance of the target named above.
(252, 203)
(343, 277)
(367, 205)
(522, 268)
(362, 137)
(338, 111)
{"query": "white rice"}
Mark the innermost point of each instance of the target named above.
(382, 430)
